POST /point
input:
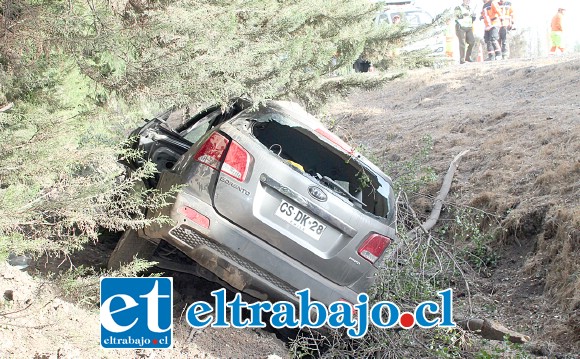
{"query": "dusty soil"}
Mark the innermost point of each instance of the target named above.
(37, 320)
(520, 119)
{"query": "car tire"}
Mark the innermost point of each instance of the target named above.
(129, 247)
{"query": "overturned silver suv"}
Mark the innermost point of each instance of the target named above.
(270, 202)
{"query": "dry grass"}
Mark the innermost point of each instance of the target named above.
(556, 257)
(520, 119)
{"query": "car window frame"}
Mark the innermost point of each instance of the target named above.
(213, 119)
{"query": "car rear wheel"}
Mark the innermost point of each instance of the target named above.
(129, 247)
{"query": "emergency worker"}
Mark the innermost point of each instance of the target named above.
(464, 18)
(491, 16)
(507, 24)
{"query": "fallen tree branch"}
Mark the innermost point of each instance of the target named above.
(7, 107)
(458, 267)
(443, 192)
(489, 329)
(426, 226)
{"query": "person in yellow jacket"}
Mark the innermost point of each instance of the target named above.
(507, 24)
(491, 16)
(557, 30)
(464, 17)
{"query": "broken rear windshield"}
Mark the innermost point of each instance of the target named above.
(294, 141)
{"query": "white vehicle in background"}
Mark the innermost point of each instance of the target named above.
(438, 43)
(405, 11)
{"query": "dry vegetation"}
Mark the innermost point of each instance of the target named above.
(521, 121)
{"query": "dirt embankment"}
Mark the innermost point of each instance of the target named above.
(36, 321)
(521, 121)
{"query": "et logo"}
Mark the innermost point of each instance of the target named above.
(137, 313)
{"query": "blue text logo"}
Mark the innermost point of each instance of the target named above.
(355, 317)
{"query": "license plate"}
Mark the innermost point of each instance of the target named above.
(308, 224)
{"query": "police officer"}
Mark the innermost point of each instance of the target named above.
(464, 17)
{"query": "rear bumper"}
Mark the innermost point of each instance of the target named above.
(243, 260)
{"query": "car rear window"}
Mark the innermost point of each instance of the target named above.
(295, 143)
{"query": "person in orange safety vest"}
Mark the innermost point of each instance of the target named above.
(507, 24)
(491, 15)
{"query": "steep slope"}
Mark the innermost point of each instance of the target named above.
(521, 121)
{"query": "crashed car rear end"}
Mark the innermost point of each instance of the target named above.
(271, 202)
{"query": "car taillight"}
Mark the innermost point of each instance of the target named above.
(212, 150)
(373, 247)
(236, 163)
